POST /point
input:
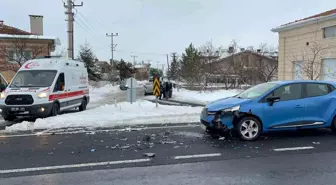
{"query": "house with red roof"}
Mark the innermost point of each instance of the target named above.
(307, 48)
(17, 46)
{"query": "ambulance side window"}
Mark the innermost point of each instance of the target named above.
(60, 83)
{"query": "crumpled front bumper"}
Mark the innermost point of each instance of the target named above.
(218, 120)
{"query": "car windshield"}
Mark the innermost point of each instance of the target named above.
(34, 78)
(256, 91)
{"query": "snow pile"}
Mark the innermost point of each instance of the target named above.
(142, 83)
(97, 94)
(141, 112)
(202, 97)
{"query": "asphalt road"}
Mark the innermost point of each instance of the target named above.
(183, 154)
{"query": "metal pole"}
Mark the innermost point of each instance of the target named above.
(112, 45)
(131, 90)
(69, 6)
(156, 101)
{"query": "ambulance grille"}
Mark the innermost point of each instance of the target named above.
(19, 100)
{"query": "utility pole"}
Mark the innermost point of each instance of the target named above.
(112, 45)
(168, 64)
(157, 64)
(69, 6)
(134, 56)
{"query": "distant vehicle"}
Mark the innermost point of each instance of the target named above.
(274, 106)
(45, 87)
(123, 86)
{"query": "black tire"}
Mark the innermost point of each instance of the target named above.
(82, 107)
(9, 118)
(253, 127)
(55, 110)
(333, 125)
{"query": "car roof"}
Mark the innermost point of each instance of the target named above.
(284, 82)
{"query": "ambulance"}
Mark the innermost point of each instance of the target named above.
(45, 87)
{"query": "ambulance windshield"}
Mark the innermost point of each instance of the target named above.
(33, 78)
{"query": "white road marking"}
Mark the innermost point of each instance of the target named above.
(73, 166)
(293, 148)
(197, 156)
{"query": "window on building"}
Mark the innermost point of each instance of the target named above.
(14, 57)
(297, 70)
(330, 32)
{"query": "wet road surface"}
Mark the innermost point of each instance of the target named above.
(179, 154)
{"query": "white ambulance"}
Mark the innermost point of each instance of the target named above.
(44, 87)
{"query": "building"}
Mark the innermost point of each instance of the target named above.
(18, 46)
(107, 71)
(307, 48)
(245, 67)
(142, 71)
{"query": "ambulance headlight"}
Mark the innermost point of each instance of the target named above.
(42, 94)
(2, 95)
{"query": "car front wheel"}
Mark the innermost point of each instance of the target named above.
(249, 128)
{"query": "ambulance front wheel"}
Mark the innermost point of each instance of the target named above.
(55, 110)
(82, 107)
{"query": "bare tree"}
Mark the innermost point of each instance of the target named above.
(265, 62)
(21, 50)
(309, 64)
(209, 53)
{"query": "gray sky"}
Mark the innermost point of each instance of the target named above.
(152, 27)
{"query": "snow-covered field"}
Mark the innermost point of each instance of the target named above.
(141, 112)
(202, 97)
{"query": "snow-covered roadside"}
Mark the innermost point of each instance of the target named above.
(97, 94)
(202, 97)
(141, 112)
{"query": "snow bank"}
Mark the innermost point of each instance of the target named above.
(202, 97)
(97, 94)
(141, 112)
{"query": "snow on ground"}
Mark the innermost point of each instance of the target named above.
(142, 83)
(185, 95)
(97, 94)
(140, 112)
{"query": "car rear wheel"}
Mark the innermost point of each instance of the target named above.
(249, 128)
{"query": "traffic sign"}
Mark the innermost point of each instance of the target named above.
(156, 86)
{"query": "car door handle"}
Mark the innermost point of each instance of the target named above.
(298, 106)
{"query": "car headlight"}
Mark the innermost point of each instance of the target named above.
(232, 109)
(2, 95)
(42, 94)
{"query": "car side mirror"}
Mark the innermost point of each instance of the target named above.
(272, 99)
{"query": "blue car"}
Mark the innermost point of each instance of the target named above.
(274, 106)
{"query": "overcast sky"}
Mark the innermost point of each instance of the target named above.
(149, 28)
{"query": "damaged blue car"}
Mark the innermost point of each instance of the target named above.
(274, 106)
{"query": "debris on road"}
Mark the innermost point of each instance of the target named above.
(316, 143)
(93, 150)
(221, 138)
(149, 154)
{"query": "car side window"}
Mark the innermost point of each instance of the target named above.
(60, 83)
(288, 92)
(315, 89)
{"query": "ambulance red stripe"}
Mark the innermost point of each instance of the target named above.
(67, 95)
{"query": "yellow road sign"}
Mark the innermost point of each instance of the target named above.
(156, 86)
